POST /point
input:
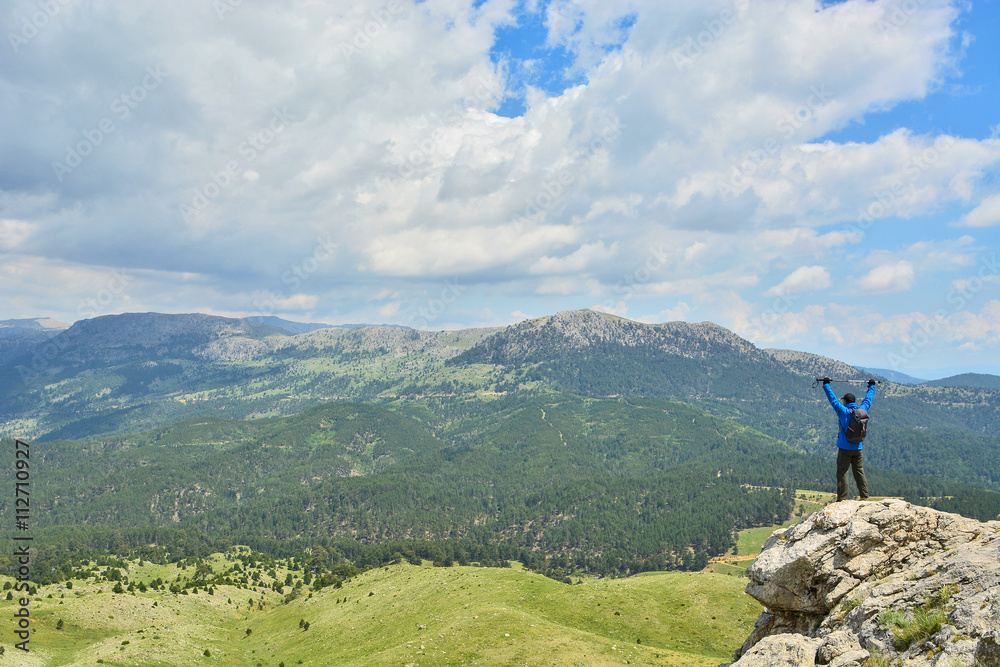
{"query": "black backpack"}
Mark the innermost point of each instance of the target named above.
(857, 426)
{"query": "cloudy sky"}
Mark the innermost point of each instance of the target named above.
(814, 175)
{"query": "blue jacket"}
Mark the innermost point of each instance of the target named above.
(844, 414)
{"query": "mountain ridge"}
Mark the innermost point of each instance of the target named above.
(295, 328)
(126, 373)
(579, 329)
(977, 380)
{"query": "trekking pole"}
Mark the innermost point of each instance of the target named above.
(819, 381)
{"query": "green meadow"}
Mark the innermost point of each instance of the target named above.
(395, 615)
(750, 541)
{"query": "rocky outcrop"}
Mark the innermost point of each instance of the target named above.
(906, 584)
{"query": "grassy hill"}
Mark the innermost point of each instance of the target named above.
(397, 615)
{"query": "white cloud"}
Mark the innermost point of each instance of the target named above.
(678, 313)
(580, 260)
(694, 250)
(392, 150)
(802, 279)
(801, 240)
(981, 328)
(620, 308)
(293, 302)
(450, 251)
(389, 309)
(896, 277)
(13, 233)
(986, 214)
(833, 334)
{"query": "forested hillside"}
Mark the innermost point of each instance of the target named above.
(609, 485)
(128, 373)
(977, 380)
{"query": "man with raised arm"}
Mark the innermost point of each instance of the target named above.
(852, 420)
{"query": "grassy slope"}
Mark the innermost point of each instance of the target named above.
(471, 615)
(750, 541)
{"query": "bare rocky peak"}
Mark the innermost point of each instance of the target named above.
(815, 365)
(153, 328)
(853, 579)
(118, 338)
(389, 340)
(583, 328)
(115, 338)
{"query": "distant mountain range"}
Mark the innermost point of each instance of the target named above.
(306, 327)
(602, 443)
(32, 324)
(979, 380)
(19, 337)
(893, 376)
(123, 373)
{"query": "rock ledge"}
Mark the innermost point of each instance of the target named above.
(910, 584)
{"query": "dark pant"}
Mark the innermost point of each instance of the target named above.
(850, 459)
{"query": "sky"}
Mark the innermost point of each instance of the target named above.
(820, 176)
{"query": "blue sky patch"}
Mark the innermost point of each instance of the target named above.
(522, 48)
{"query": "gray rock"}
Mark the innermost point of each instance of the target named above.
(836, 644)
(762, 627)
(836, 574)
(988, 650)
(784, 650)
(854, 658)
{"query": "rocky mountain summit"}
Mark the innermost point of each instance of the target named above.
(877, 583)
(584, 331)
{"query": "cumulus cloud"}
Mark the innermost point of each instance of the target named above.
(889, 277)
(619, 308)
(986, 214)
(440, 252)
(802, 279)
(580, 260)
(673, 167)
(13, 233)
(678, 313)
